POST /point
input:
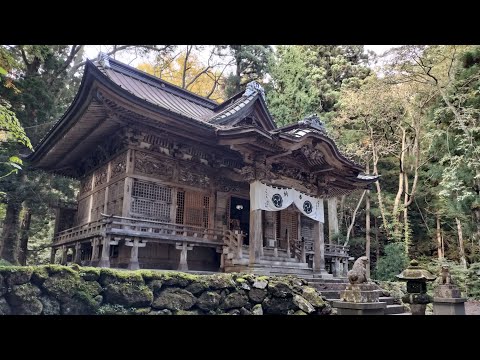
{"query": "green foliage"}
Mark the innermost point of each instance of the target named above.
(5, 263)
(392, 263)
(308, 79)
(251, 65)
(473, 281)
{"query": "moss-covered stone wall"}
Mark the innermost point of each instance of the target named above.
(54, 290)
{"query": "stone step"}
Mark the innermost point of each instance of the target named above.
(330, 294)
(278, 258)
(329, 286)
(328, 281)
(291, 264)
(403, 313)
(280, 270)
(394, 309)
(388, 299)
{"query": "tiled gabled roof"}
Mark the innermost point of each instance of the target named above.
(157, 91)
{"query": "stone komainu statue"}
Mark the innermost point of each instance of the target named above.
(445, 278)
(358, 274)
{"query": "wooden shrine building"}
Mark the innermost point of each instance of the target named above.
(167, 179)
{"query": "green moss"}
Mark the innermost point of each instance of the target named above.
(176, 278)
(115, 309)
(263, 278)
(4, 263)
(40, 274)
(149, 275)
(128, 294)
(186, 312)
(90, 273)
(240, 280)
(142, 311)
(62, 286)
(54, 269)
(109, 276)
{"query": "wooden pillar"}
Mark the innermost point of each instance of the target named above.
(94, 258)
(222, 259)
(78, 253)
(332, 219)
(135, 244)
(52, 255)
(127, 200)
(105, 259)
(345, 268)
(184, 248)
(337, 270)
(319, 251)
(256, 238)
(239, 235)
(63, 261)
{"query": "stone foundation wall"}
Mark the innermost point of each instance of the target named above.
(55, 290)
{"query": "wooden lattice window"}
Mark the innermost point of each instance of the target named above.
(307, 232)
(180, 207)
(288, 224)
(193, 208)
(151, 201)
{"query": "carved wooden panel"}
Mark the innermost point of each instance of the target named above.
(115, 198)
(151, 201)
(98, 202)
(82, 212)
(100, 176)
(151, 165)
(187, 176)
(118, 165)
(86, 184)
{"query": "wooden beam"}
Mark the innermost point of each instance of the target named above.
(273, 157)
(322, 170)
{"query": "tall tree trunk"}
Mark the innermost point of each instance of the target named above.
(461, 249)
(439, 239)
(377, 240)
(377, 183)
(406, 233)
(443, 244)
(24, 234)
(476, 211)
(367, 231)
(10, 232)
(401, 177)
(353, 218)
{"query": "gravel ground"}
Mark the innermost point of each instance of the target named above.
(472, 307)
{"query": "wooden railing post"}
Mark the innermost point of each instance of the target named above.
(303, 254)
(239, 245)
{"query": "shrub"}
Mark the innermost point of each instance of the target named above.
(392, 263)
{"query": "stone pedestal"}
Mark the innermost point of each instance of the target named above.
(453, 306)
(360, 293)
(418, 309)
(447, 300)
(360, 299)
(350, 308)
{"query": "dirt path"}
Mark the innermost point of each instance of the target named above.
(472, 308)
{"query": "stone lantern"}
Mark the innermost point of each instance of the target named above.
(416, 278)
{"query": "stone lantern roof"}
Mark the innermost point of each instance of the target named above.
(416, 272)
